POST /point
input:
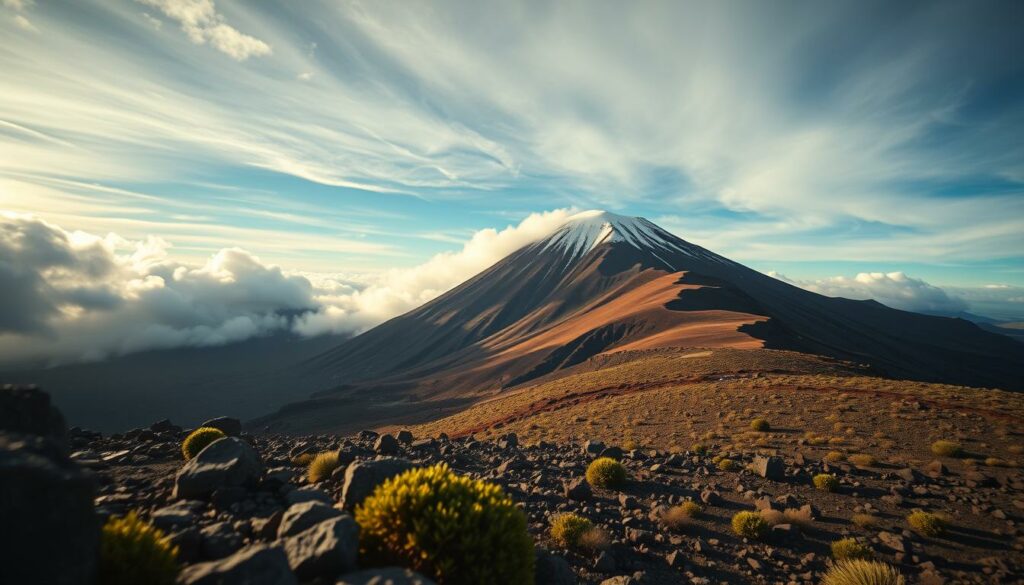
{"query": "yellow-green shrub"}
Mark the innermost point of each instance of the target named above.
(198, 439)
(303, 459)
(863, 460)
(452, 528)
(926, 523)
(865, 520)
(321, 467)
(835, 456)
(760, 425)
(568, 529)
(133, 551)
(605, 472)
(750, 525)
(826, 482)
(862, 572)
(947, 448)
(849, 548)
(678, 517)
(727, 465)
(699, 448)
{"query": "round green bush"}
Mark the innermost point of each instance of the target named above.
(133, 551)
(198, 439)
(926, 523)
(568, 529)
(849, 548)
(862, 572)
(760, 425)
(750, 525)
(826, 482)
(605, 472)
(449, 527)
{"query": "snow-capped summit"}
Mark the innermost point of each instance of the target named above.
(587, 230)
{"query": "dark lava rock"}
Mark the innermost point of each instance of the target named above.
(552, 569)
(256, 565)
(578, 489)
(231, 427)
(227, 462)
(385, 576)
(325, 550)
(27, 410)
(386, 445)
(46, 503)
(361, 478)
(305, 515)
(770, 468)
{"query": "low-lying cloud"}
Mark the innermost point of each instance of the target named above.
(73, 296)
(893, 289)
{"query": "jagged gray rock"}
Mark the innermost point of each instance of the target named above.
(227, 462)
(256, 565)
(324, 551)
(231, 427)
(361, 478)
(305, 515)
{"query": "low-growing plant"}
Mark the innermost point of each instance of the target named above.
(678, 517)
(863, 460)
(947, 448)
(699, 448)
(605, 472)
(760, 425)
(630, 445)
(835, 456)
(727, 465)
(926, 523)
(568, 529)
(452, 528)
(849, 548)
(198, 440)
(865, 520)
(322, 466)
(995, 462)
(303, 459)
(595, 539)
(750, 525)
(133, 551)
(826, 482)
(862, 572)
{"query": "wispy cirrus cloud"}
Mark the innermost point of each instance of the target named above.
(890, 124)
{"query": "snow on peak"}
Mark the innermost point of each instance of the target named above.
(587, 230)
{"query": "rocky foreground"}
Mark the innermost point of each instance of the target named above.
(243, 510)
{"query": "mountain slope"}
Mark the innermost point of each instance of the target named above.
(604, 283)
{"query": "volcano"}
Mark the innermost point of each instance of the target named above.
(604, 283)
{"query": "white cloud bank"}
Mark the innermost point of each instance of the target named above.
(893, 289)
(74, 296)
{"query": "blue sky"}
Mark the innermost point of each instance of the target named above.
(811, 139)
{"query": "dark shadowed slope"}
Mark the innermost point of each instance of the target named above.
(186, 385)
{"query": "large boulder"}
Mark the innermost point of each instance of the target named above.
(385, 576)
(231, 427)
(305, 515)
(46, 503)
(256, 565)
(225, 463)
(46, 500)
(770, 468)
(27, 410)
(363, 477)
(325, 550)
